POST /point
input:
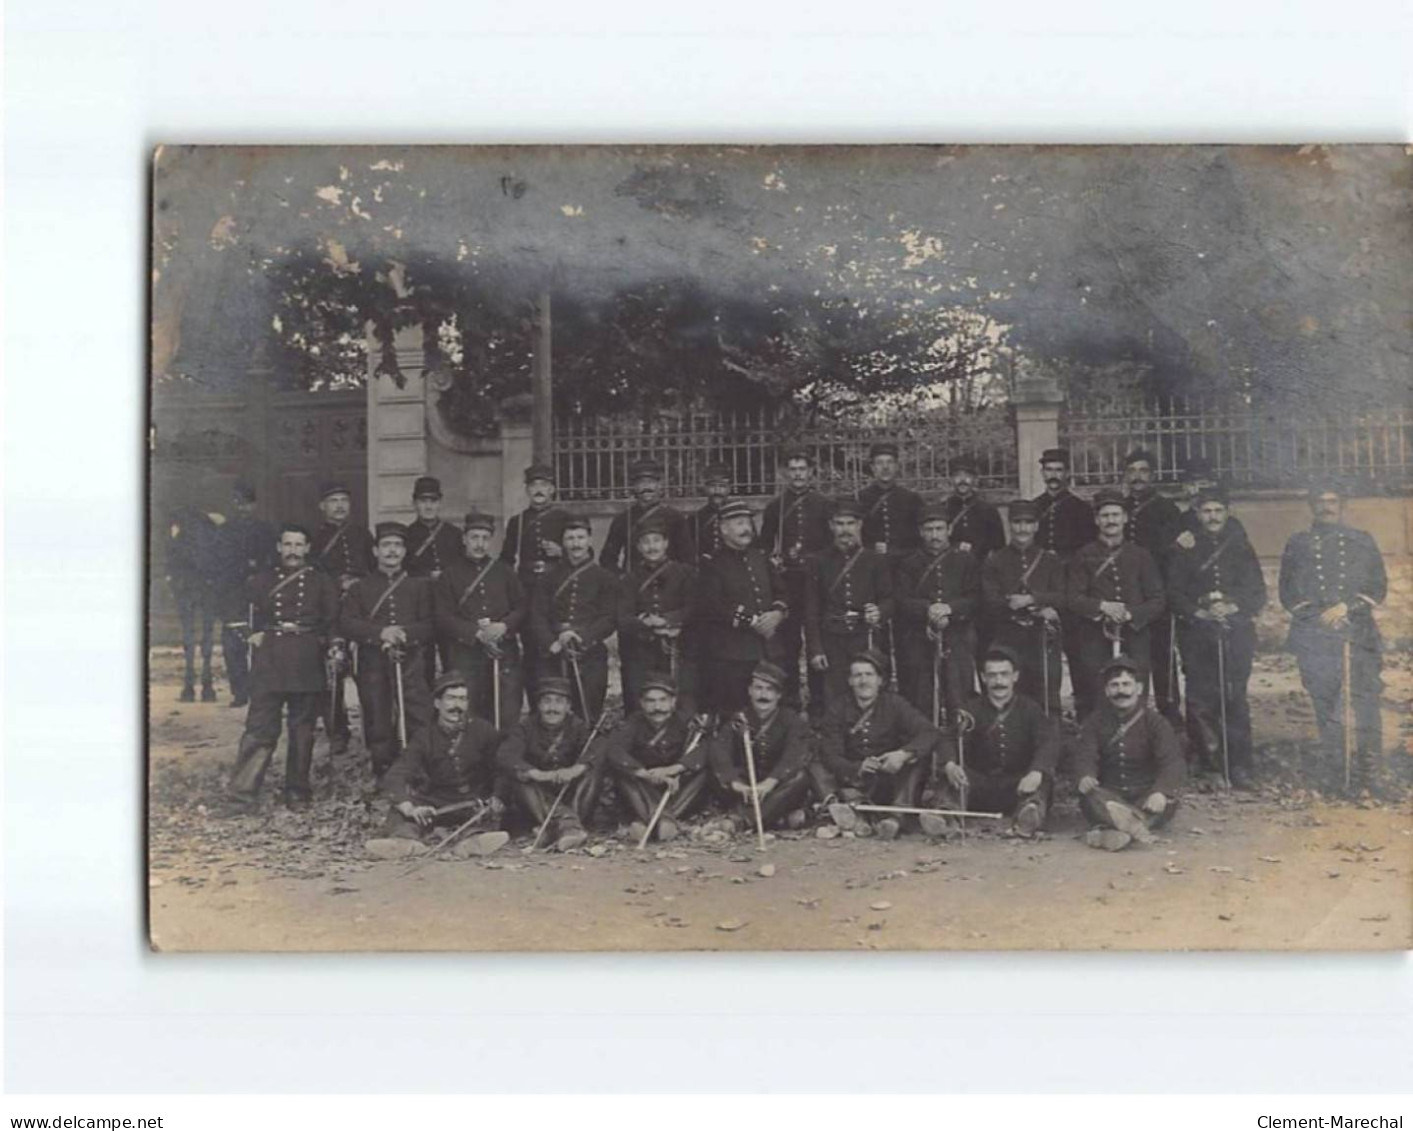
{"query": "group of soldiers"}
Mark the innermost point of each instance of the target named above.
(928, 650)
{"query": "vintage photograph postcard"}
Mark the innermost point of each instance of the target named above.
(784, 548)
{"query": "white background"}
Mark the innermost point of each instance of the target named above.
(92, 86)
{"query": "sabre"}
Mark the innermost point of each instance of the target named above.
(495, 687)
(657, 815)
(1045, 663)
(249, 632)
(962, 728)
(892, 660)
(1172, 659)
(1115, 633)
(445, 841)
(401, 703)
(1222, 679)
(1348, 718)
(563, 789)
(579, 683)
(751, 775)
(962, 813)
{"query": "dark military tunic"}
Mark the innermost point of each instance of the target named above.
(975, 522)
(891, 517)
(245, 548)
(638, 745)
(468, 592)
(1322, 567)
(1003, 746)
(1039, 573)
(803, 532)
(734, 587)
(444, 768)
(376, 602)
(1066, 523)
(296, 611)
(524, 533)
(668, 590)
(953, 578)
(780, 748)
(342, 550)
(1132, 757)
(837, 587)
(530, 745)
(1225, 565)
(431, 547)
(620, 547)
(584, 598)
(706, 531)
(1154, 522)
(849, 733)
(1125, 573)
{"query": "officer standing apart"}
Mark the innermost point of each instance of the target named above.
(1332, 578)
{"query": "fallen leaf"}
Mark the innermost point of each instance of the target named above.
(880, 905)
(1270, 859)
(1221, 868)
(766, 870)
(730, 924)
(1374, 918)
(1224, 918)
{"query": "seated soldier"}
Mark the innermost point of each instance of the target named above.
(444, 777)
(874, 746)
(658, 749)
(1008, 756)
(1128, 762)
(543, 754)
(780, 751)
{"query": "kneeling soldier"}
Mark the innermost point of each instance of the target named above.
(1128, 762)
(543, 753)
(656, 749)
(295, 607)
(481, 607)
(446, 776)
(779, 748)
(1010, 748)
(873, 746)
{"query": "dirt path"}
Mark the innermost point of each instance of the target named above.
(1283, 869)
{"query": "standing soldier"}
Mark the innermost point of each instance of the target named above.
(655, 602)
(740, 608)
(779, 750)
(389, 615)
(873, 746)
(480, 608)
(432, 545)
(1128, 762)
(1216, 590)
(973, 524)
(542, 757)
(445, 777)
(890, 509)
(295, 608)
(533, 543)
(1023, 589)
(247, 546)
(575, 609)
(1008, 755)
(1154, 522)
(706, 529)
(1115, 589)
(795, 527)
(645, 479)
(1197, 477)
(658, 750)
(938, 597)
(1066, 522)
(848, 600)
(345, 553)
(1332, 578)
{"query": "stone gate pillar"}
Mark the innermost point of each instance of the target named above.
(397, 427)
(1037, 401)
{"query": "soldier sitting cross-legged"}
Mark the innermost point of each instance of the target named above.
(544, 753)
(445, 777)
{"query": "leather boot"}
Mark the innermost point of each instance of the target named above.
(252, 760)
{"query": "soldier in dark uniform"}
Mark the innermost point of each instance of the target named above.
(740, 608)
(445, 777)
(345, 553)
(1216, 590)
(295, 607)
(1116, 590)
(247, 546)
(390, 616)
(1128, 762)
(432, 545)
(658, 748)
(780, 752)
(543, 753)
(938, 597)
(1066, 522)
(655, 603)
(973, 524)
(1010, 749)
(645, 476)
(533, 542)
(795, 526)
(575, 609)
(848, 600)
(1023, 587)
(1332, 578)
(706, 522)
(480, 609)
(873, 746)
(890, 510)
(191, 572)
(1198, 475)
(1154, 522)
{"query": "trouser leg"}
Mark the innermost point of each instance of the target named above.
(792, 793)
(1366, 680)
(257, 744)
(1072, 644)
(692, 791)
(1240, 653)
(1199, 650)
(186, 614)
(299, 755)
(377, 700)
(1094, 806)
(233, 650)
(207, 639)
(1321, 672)
(636, 798)
(1166, 694)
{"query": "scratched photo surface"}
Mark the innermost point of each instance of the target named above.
(731, 548)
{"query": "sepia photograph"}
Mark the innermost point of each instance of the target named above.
(780, 548)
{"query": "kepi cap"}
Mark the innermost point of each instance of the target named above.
(427, 487)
